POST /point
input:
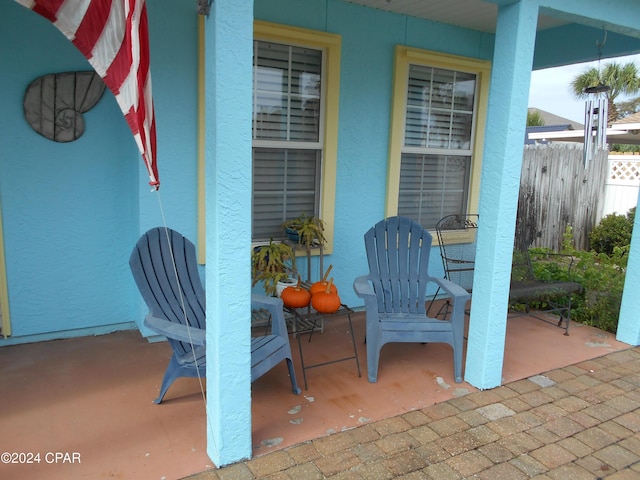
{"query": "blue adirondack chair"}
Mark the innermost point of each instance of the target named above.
(394, 293)
(155, 274)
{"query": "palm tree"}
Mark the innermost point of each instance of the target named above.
(621, 79)
(628, 107)
(534, 118)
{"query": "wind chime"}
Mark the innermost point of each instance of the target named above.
(595, 115)
(595, 122)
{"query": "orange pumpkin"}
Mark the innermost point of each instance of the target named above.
(321, 286)
(295, 297)
(326, 301)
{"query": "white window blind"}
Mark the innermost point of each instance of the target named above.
(287, 138)
(436, 153)
(433, 186)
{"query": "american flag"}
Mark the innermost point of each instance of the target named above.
(113, 36)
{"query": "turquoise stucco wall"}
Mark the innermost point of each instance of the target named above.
(67, 207)
(629, 327)
(72, 211)
(368, 41)
(229, 35)
(515, 38)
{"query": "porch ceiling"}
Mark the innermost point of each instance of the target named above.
(474, 14)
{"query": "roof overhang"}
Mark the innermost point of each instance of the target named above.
(480, 15)
(616, 134)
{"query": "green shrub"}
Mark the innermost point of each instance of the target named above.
(600, 274)
(602, 277)
(613, 231)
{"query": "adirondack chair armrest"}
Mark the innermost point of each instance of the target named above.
(176, 331)
(455, 291)
(363, 288)
(274, 306)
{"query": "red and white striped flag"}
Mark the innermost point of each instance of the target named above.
(113, 36)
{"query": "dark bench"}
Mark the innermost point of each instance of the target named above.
(550, 296)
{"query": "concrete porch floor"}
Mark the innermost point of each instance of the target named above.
(91, 398)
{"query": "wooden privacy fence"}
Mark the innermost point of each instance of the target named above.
(556, 191)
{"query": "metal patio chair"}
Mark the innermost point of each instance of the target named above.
(457, 242)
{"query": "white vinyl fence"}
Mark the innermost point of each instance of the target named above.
(622, 184)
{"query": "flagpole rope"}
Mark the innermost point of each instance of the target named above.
(184, 310)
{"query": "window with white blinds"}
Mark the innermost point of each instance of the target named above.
(433, 186)
(287, 135)
(437, 144)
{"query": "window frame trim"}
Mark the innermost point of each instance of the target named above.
(404, 57)
(330, 44)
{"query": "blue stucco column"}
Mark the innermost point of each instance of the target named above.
(629, 320)
(500, 180)
(228, 87)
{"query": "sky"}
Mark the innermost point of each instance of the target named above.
(551, 88)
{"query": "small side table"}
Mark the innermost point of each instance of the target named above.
(305, 320)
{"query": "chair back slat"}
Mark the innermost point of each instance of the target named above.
(155, 274)
(398, 255)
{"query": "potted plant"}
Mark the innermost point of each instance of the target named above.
(306, 230)
(271, 264)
